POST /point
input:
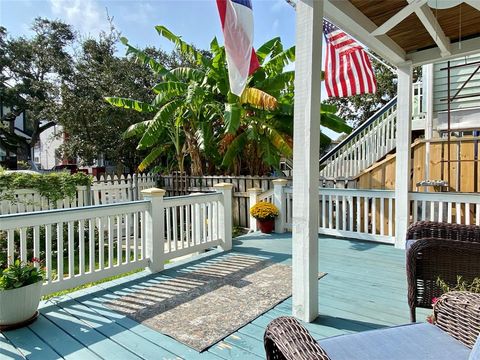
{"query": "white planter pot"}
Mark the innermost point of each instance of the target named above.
(18, 305)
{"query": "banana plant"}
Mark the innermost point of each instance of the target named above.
(195, 114)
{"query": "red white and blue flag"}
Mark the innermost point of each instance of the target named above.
(348, 70)
(237, 24)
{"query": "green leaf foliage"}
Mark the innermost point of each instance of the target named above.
(130, 104)
(54, 186)
(20, 274)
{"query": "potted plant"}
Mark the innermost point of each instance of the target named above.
(265, 213)
(20, 293)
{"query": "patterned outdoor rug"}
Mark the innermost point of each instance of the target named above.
(202, 306)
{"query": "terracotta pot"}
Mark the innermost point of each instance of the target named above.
(266, 226)
(19, 305)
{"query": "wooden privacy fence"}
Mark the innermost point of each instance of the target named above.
(429, 162)
(178, 184)
(81, 245)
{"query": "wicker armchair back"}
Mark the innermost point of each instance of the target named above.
(442, 251)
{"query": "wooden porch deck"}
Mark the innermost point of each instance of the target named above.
(365, 289)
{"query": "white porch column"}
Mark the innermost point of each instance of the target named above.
(154, 229)
(308, 65)
(225, 215)
(427, 71)
(404, 138)
(280, 201)
(253, 195)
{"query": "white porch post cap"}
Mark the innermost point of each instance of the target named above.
(254, 190)
(154, 192)
(225, 186)
(280, 182)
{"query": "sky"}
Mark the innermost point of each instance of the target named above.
(197, 21)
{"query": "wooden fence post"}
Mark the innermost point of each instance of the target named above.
(280, 201)
(253, 196)
(154, 229)
(225, 214)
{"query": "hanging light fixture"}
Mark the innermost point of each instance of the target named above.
(443, 4)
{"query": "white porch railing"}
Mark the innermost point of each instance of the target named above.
(360, 214)
(458, 208)
(370, 214)
(81, 245)
(364, 146)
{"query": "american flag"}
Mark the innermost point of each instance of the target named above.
(348, 70)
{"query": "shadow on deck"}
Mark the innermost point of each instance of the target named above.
(365, 289)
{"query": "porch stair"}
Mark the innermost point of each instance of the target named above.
(367, 144)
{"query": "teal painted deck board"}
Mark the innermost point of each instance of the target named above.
(365, 289)
(7, 350)
(30, 345)
(61, 342)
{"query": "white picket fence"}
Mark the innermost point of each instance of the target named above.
(85, 244)
(106, 190)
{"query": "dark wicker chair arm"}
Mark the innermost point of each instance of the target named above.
(458, 313)
(430, 259)
(440, 230)
(286, 339)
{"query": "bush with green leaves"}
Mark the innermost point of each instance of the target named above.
(54, 186)
(20, 274)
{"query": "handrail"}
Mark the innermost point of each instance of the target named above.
(362, 127)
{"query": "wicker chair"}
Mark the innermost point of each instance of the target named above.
(457, 316)
(439, 250)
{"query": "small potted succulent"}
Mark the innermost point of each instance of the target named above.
(20, 293)
(265, 213)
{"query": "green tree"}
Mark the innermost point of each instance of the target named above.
(34, 68)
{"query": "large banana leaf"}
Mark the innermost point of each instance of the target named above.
(278, 62)
(264, 50)
(234, 149)
(334, 122)
(170, 87)
(182, 45)
(158, 124)
(277, 82)
(232, 117)
(188, 74)
(279, 142)
(258, 98)
(150, 158)
(144, 58)
(130, 104)
(136, 129)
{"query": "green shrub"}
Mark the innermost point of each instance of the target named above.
(54, 186)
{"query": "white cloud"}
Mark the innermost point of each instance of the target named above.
(275, 25)
(142, 12)
(278, 6)
(85, 15)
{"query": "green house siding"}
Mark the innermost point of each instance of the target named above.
(457, 78)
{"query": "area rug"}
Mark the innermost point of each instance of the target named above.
(202, 305)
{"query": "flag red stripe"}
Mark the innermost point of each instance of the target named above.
(348, 70)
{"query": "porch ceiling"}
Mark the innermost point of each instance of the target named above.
(409, 30)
